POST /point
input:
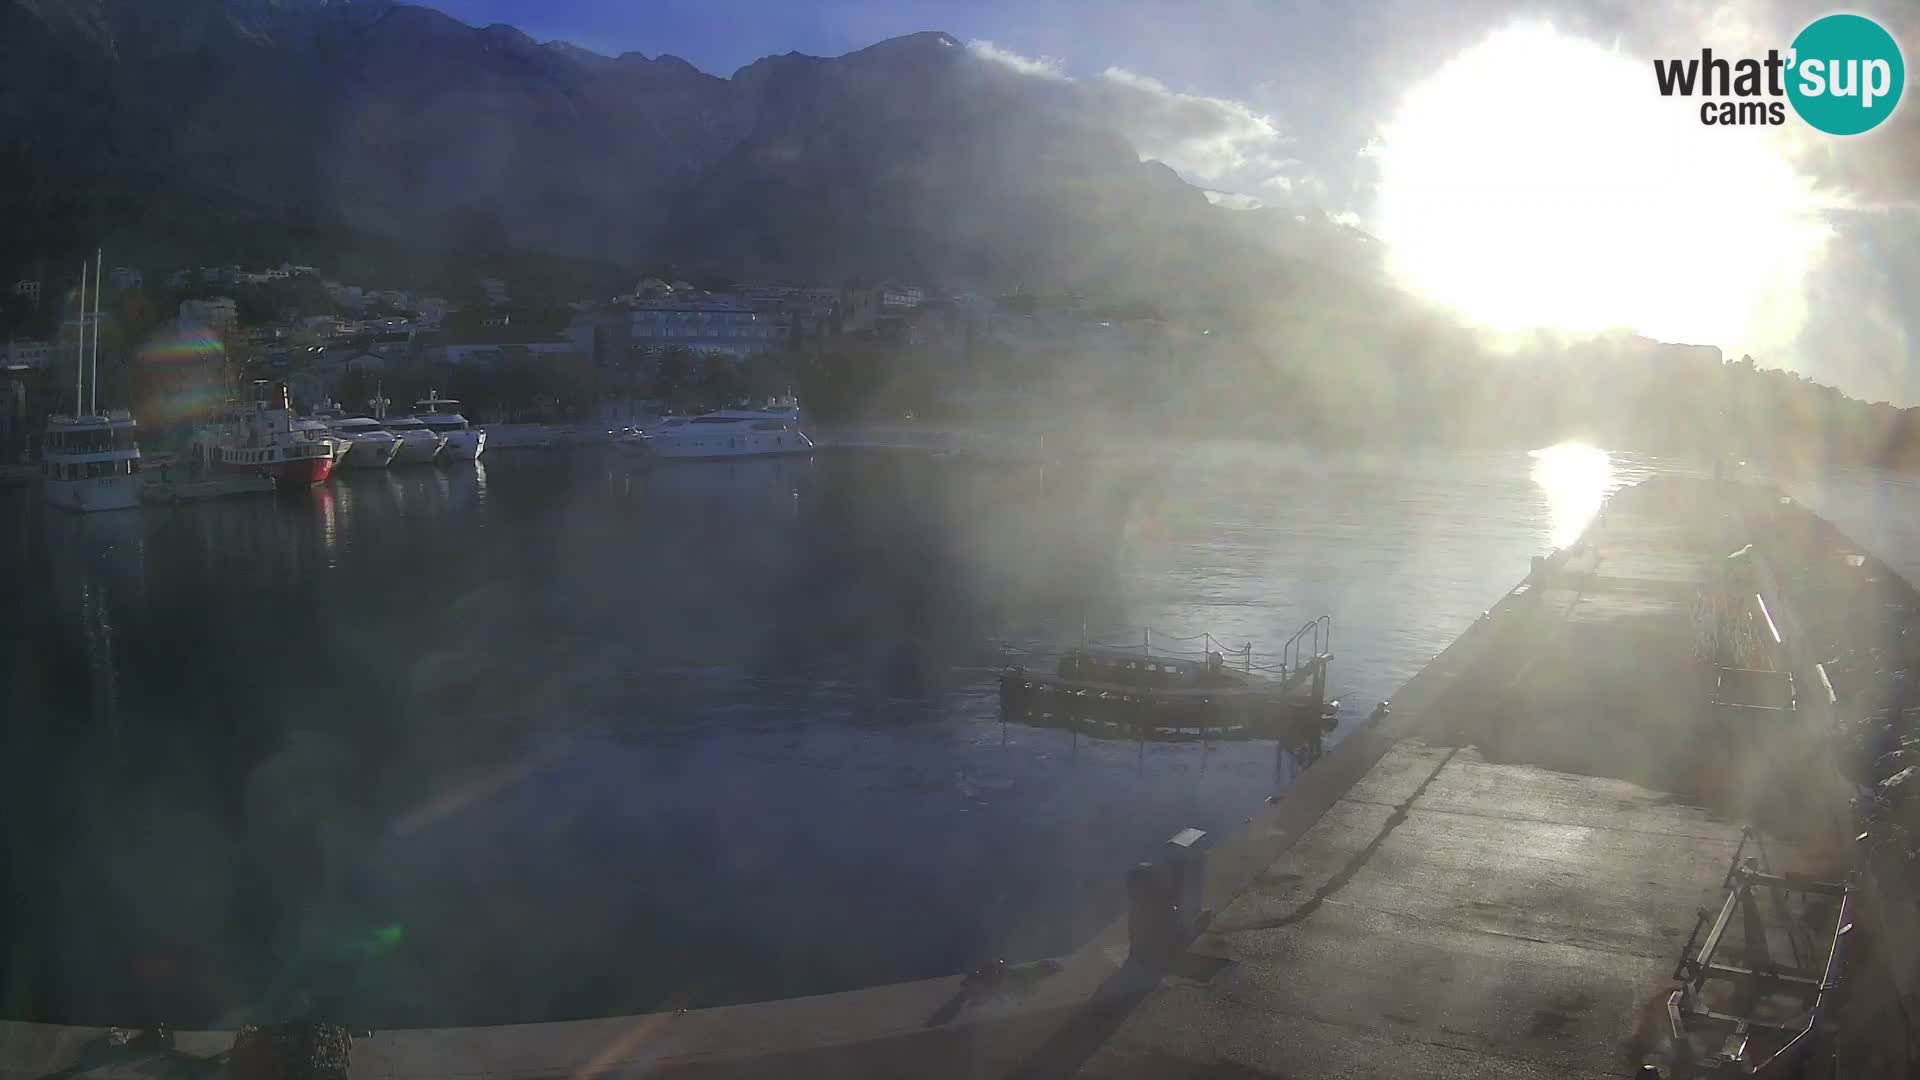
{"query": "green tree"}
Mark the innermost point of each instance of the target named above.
(673, 374)
(720, 380)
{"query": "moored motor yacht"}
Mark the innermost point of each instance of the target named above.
(725, 433)
(462, 441)
(419, 444)
(365, 444)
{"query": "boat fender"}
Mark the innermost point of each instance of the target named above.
(1381, 710)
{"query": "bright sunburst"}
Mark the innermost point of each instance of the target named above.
(1538, 180)
(1575, 479)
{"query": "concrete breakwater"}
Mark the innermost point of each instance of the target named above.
(1508, 880)
(1495, 878)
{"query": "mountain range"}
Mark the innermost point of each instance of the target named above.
(202, 126)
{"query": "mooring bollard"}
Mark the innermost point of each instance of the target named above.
(1164, 899)
(1150, 916)
(1187, 862)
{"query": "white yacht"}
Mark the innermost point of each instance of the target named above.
(726, 433)
(364, 443)
(464, 442)
(91, 461)
(419, 444)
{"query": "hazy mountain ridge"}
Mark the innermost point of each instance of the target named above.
(912, 157)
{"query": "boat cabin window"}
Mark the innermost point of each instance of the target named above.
(92, 440)
(93, 470)
(770, 425)
(716, 420)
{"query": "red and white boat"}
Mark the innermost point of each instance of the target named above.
(265, 438)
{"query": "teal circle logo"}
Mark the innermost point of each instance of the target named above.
(1845, 74)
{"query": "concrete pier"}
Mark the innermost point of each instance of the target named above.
(1505, 888)
(166, 490)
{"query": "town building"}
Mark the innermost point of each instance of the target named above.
(26, 353)
(126, 277)
(859, 310)
(29, 290)
(704, 322)
(493, 353)
(392, 343)
(894, 299)
(430, 311)
(324, 379)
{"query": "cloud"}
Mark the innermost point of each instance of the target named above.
(1210, 141)
(1044, 67)
(1344, 217)
(1233, 200)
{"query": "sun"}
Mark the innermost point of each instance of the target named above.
(1538, 180)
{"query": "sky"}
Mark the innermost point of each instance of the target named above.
(1462, 133)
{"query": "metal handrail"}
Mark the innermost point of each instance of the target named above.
(1315, 634)
(1319, 631)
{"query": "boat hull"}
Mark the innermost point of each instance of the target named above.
(361, 454)
(417, 451)
(290, 475)
(716, 447)
(98, 493)
(464, 446)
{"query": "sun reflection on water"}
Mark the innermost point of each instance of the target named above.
(1575, 478)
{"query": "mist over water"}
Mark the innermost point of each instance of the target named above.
(557, 737)
(1878, 508)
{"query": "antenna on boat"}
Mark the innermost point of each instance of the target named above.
(93, 378)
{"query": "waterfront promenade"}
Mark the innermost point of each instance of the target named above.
(1506, 889)
(1493, 880)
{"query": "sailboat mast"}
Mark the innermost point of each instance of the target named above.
(93, 375)
(80, 356)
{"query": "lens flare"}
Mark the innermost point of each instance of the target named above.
(181, 370)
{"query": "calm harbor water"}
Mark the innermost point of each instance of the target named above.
(1878, 508)
(553, 737)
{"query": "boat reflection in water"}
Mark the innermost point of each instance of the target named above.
(387, 495)
(327, 505)
(751, 484)
(98, 578)
(1576, 479)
